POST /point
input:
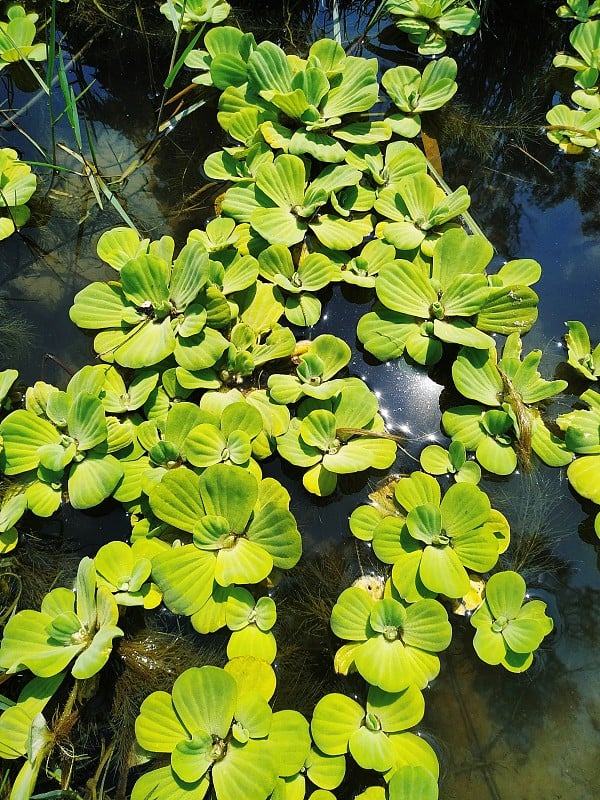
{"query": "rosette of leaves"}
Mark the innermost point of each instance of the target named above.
(74, 629)
(224, 62)
(477, 538)
(275, 417)
(508, 629)
(392, 645)
(510, 388)
(216, 736)
(573, 129)
(582, 436)
(581, 10)
(343, 434)
(17, 184)
(226, 439)
(250, 621)
(430, 23)
(16, 38)
(317, 362)
(24, 732)
(419, 212)
(581, 356)
(414, 93)
(298, 281)
(241, 529)
(384, 169)
(158, 307)
(421, 304)
(437, 460)
(185, 15)
(441, 538)
(282, 207)
(314, 98)
(125, 570)
(119, 398)
(375, 734)
(64, 433)
(407, 783)
(585, 39)
(362, 269)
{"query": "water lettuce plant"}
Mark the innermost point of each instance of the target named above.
(376, 734)
(73, 629)
(508, 629)
(159, 307)
(250, 621)
(282, 205)
(429, 23)
(573, 129)
(407, 783)
(414, 93)
(432, 541)
(241, 529)
(12, 509)
(392, 645)
(580, 354)
(437, 460)
(16, 38)
(215, 735)
(451, 299)
(510, 388)
(582, 436)
(17, 185)
(317, 362)
(64, 434)
(298, 282)
(581, 10)
(125, 570)
(335, 436)
(309, 105)
(224, 62)
(185, 15)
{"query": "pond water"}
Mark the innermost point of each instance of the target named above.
(498, 735)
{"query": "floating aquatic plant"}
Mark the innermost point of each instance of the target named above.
(407, 783)
(74, 629)
(282, 206)
(391, 645)
(64, 434)
(508, 629)
(318, 361)
(186, 15)
(581, 10)
(510, 388)
(126, 571)
(250, 622)
(307, 106)
(430, 23)
(241, 529)
(17, 185)
(216, 735)
(375, 735)
(581, 356)
(573, 129)
(158, 308)
(422, 304)
(414, 93)
(340, 435)
(224, 62)
(16, 38)
(582, 436)
(437, 460)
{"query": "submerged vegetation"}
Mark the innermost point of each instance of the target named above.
(203, 379)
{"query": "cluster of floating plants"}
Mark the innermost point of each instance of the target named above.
(574, 128)
(173, 425)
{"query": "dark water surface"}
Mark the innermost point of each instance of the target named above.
(498, 735)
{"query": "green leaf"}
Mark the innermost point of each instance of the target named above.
(334, 720)
(93, 480)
